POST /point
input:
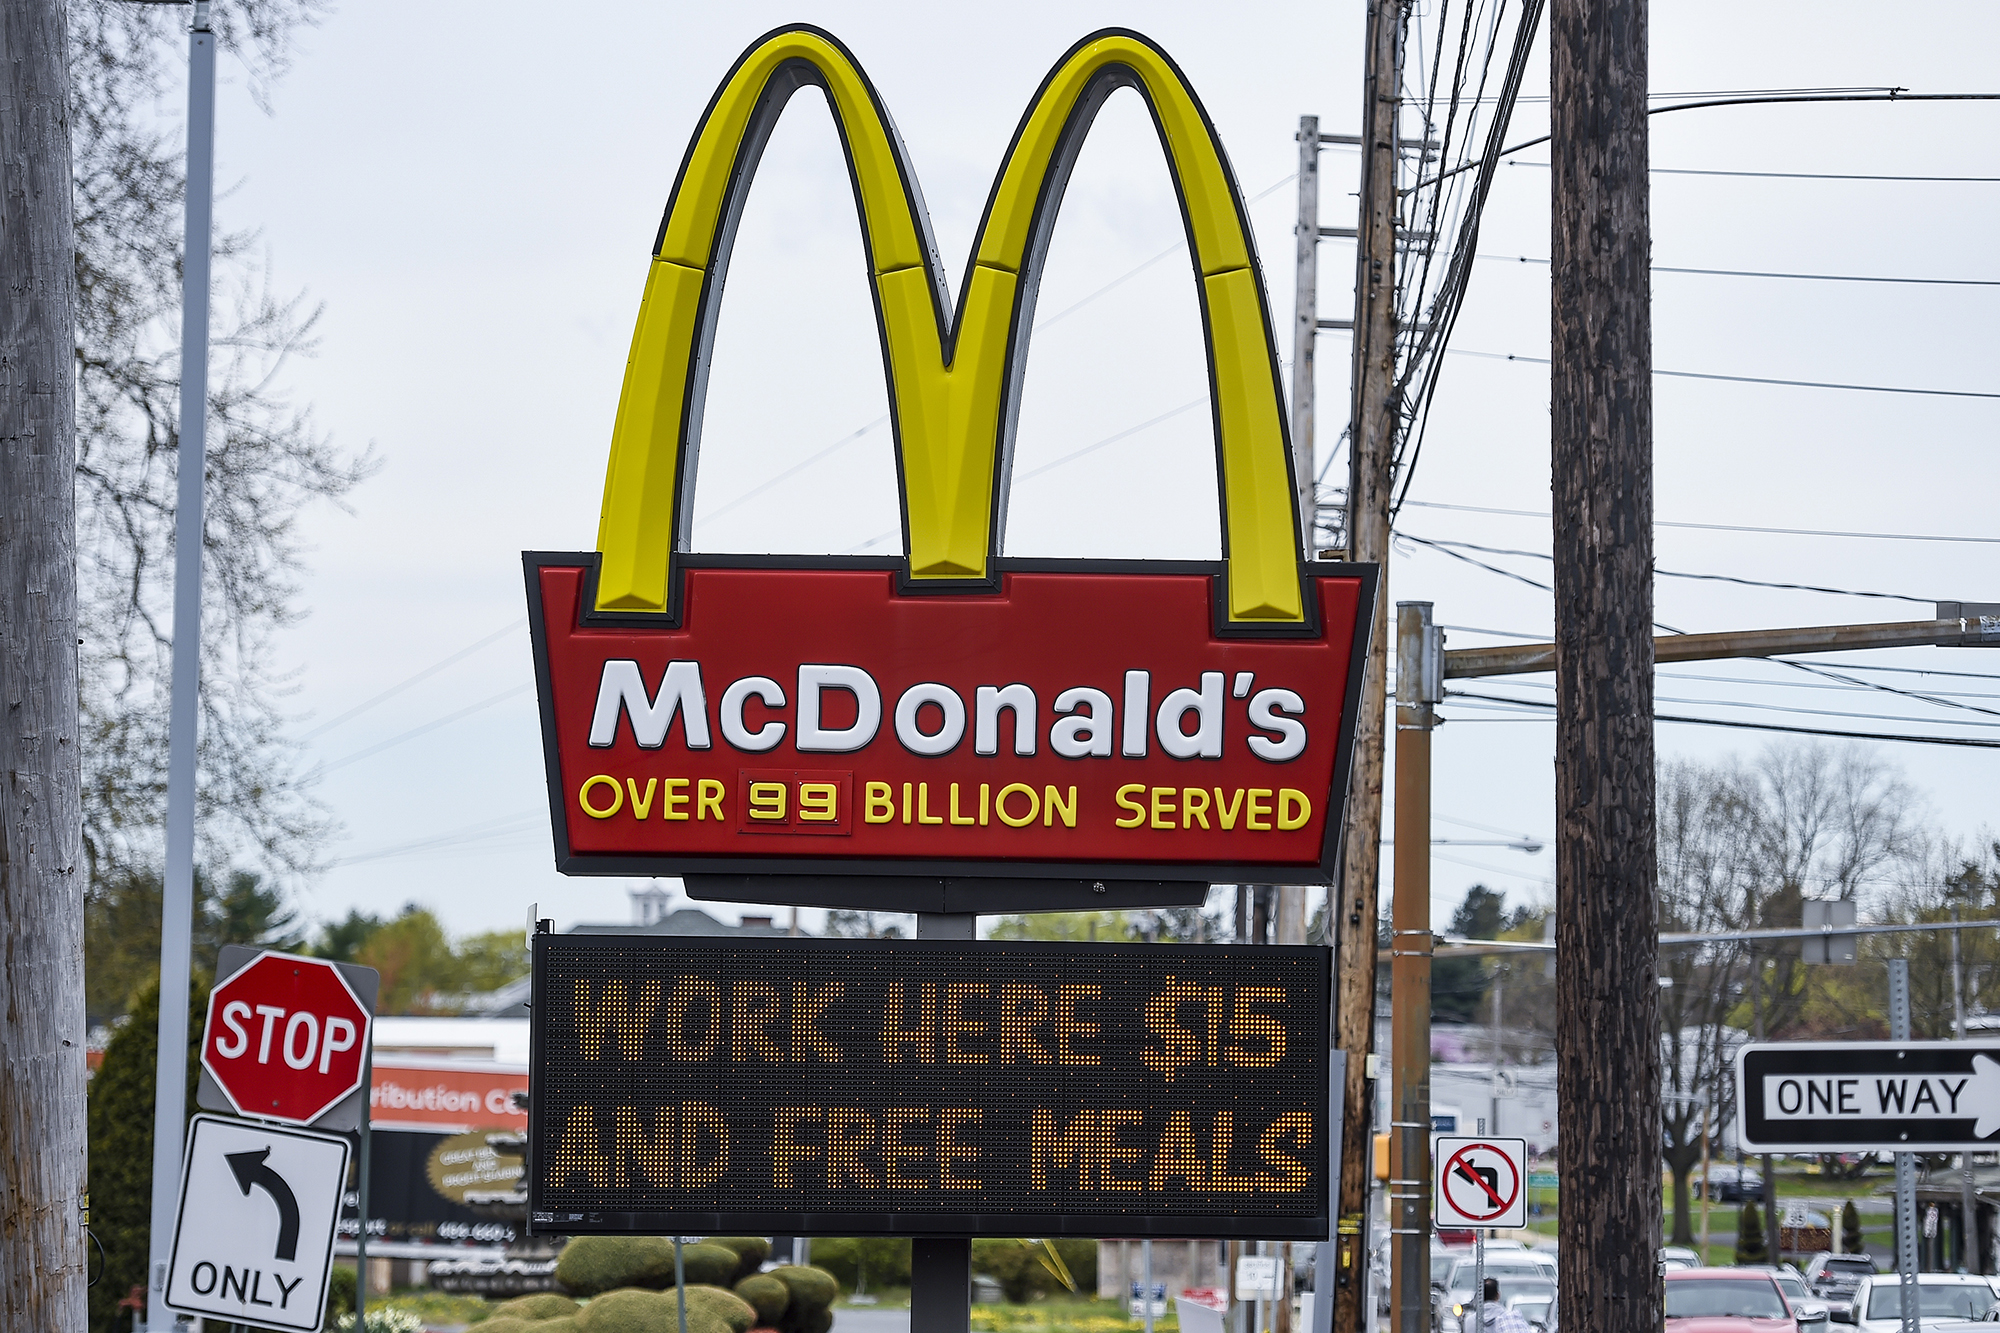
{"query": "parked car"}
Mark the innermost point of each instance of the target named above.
(1833, 1278)
(1792, 1283)
(1941, 1298)
(1736, 1300)
(1734, 1184)
(1678, 1256)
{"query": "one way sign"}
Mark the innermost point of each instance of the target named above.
(253, 1242)
(1869, 1096)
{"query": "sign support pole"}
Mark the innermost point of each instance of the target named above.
(941, 1267)
(1418, 657)
(361, 1194)
(177, 904)
(1906, 1163)
(1146, 1295)
(1479, 1267)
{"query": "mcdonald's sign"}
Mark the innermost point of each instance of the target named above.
(951, 721)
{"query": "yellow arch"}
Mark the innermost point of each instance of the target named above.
(950, 386)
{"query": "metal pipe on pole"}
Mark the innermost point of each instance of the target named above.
(1418, 649)
(177, 898)
(1373, 427)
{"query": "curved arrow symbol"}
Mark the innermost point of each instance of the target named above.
(249, 1169)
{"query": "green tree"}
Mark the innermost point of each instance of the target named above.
(490, 960)
(119, 1121)
(859, 1262)
(1458, 985)
(423, 970)
(420, 972)
(122, 931)
(1024, 1272)
(1750, 1246)
(341, 940)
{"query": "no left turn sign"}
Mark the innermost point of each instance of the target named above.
(1479, 1182)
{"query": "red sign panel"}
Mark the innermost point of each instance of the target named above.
(446, 1097)
(808, 716)
(285, 1038)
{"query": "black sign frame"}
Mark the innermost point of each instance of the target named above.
(1312, 1064)
(1857, 1061)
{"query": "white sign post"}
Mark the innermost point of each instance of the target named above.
(1481, 1182)
(253, 1241)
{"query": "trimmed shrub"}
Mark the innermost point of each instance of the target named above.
(593, 1264)
(541, 1305)
(706, 1264)
(810, 1294)
(1750, 1246)
(808, 1286)
(751, 1252)
(725, 1305)
(510, 1323)
(633, 1310)
(766, 1295)
(1850, 1229)
(340, 1287)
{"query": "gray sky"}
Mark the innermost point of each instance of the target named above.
(473, 194)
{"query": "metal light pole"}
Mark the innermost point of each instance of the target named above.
(177, 907)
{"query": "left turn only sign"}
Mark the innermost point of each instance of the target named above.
(253, 1242)
(1479, 1181)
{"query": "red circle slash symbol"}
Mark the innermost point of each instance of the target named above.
(1461, 1167)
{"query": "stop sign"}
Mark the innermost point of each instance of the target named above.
(286, 1038)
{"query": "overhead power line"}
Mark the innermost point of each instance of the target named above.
(1760, 99)
(1814, 712)
(1751, 379)
(432, 725)
(1761, 273)
(1971, 741)
(1680, 574)
(417, 679)
(1803, 175)
(1725, 527)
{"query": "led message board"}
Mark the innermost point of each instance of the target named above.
(947, 713)
(911, 1088)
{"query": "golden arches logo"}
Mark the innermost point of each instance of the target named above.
(954, 377)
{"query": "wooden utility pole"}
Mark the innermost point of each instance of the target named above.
(1351, 928)
(1607, 987)
(42, 1161)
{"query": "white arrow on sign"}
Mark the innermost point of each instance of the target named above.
(253, 1239)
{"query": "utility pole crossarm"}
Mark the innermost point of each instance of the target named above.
(1519, 658)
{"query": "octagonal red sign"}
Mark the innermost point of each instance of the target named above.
(286, 1038)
